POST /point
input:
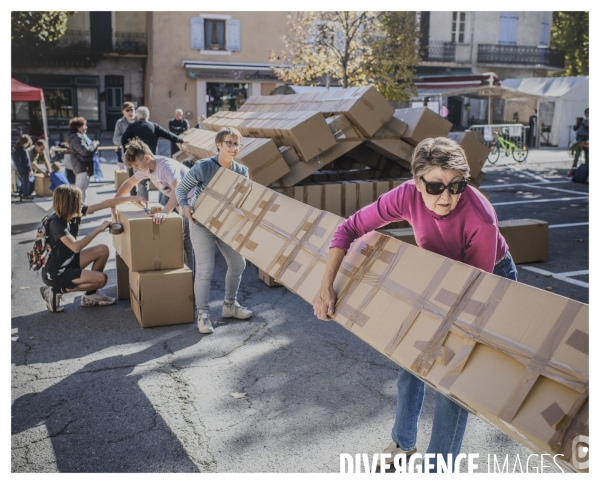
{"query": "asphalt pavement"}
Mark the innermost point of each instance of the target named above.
(94, 392)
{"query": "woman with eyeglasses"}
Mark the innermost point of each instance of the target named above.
(204, 241)
(82, 154)
(449, 218)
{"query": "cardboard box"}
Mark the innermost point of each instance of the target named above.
(475, 182)
(267, 279)
(476, 151)
(393, 168)
(364, 106)
(42, 185)
(405, 235)
(122, 278)
(162, 298)
(515, 355)
(306, 131)
(387, 141)
(264, 161)
(121, 177)
(527, 239)
(146, 246)
(422, 123)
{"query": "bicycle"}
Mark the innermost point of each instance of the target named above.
(519, 153)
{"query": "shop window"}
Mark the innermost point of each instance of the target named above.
(459, 27)
(87, 103)
(59, 102)
(225, 96)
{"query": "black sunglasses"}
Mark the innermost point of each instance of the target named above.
(438, 188)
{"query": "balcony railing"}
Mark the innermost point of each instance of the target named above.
(438, 51)
(124, 42)
(520, 55)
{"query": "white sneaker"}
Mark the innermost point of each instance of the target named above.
(46, 292)
(204, 323)
(393, 450)
(97, 299)
(234, 310)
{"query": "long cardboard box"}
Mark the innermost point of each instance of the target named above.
(387, 141)
(476, 151)
(306, 131)
(364, 106)
(512, 354)
(146, 246)
(267, 279)
(405, 235)
(264, 161)
(121, 177)
(162, 298)
(422, 123)
(527, 239)
(42, 185)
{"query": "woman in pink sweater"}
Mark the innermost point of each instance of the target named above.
(449, 218)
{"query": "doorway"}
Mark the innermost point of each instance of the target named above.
(225, 96)
(113, 100)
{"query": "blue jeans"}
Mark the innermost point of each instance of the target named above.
(450, 419)
(204, 243)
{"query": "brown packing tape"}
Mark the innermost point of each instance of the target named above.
(539, 361)
(155, 231)
(575, 423)
(483, 313)
(157, 263)
(444, 355)
(266, 165)
(366, 103)
(553, 415)
(418, 304)
(423, 362)
(580, 341)
(255, 223)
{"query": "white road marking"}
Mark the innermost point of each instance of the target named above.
(553, 188)
(565, 199)
(559, 226)
(533, 175)
(45, 203)
(561, 276)
(491, 187)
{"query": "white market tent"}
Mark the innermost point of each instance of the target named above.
(570, 95)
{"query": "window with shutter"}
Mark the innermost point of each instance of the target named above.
(545, 40)
(459, 27)
(508, 28)
(234, 35)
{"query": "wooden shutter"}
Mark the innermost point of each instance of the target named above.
(234, 35)
(508, 28)
(197, 33)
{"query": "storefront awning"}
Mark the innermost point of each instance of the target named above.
(241, 72)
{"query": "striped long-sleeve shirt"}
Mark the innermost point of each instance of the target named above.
(200, 175)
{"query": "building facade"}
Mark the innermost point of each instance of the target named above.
(97, 65)
(510, 44)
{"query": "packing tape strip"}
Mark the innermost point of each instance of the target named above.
(155, 231)
(157, 263)
(266, 165)
(423, 362)
(255, 223)
(575, 423)
(538, 362)
(483, 313)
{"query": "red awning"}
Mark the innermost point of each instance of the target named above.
(23, 92)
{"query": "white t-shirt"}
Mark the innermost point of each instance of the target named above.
(166, 172)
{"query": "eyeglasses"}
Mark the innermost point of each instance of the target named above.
(232, 144)
(129, 110)
(438, 188)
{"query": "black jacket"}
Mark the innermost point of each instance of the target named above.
(177, 127)
(20, 157)
(149, 133)
(82, 153)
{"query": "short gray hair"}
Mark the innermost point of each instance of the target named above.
(142, 112)
(179, 110)
(444, 153)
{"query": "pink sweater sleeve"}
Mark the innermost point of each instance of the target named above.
(481, 251)
(386, 209)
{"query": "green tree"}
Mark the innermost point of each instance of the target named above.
(36, 29)
(352, 48)
(571, 33)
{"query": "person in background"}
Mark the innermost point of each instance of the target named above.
(177, 125)
(68, 166)
(166, 174)
(20, 157)
(582, 135)
(149, 133)
(65, 271)
(56, 177)
(201, 119)
(449, 218)
(121, 126)
(37, 156)
(82, 151)
(204, 241)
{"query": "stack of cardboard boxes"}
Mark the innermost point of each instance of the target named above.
(150, 268)
(336, 151)
(512, 354)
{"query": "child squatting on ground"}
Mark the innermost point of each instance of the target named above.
(65, 270)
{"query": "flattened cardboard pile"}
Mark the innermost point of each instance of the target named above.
(512, 354)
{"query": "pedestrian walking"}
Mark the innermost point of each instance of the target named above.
(449, 218)
(177, 125)
(22, 164)
(149, 133)
(204, 241)
(65, 271)
(582, 137)
(82, 150)
(166, 174)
